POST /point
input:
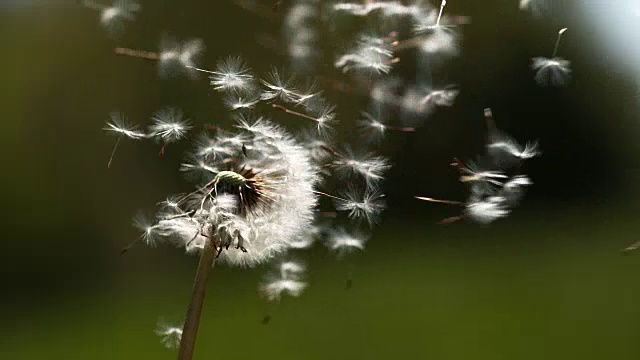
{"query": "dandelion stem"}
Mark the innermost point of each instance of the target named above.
(114, 151)
(192, 320)
(555, 48)
(149, 55)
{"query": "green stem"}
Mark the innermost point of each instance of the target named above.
(192, 320)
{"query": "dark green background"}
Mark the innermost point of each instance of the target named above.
(547, 283)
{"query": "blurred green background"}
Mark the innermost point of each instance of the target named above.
(548, 282)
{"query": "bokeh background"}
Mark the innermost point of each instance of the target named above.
(548, 282)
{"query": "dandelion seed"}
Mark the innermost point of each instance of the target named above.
(344, 242)
(170, 335)
(361, 205)
(483, 211)
(366, 165)
(231, 74)
(487, 210)
(536, 7)
(374, 129)
(554, 71)
(505, 150)
(173, 58)
(386, 8)
(150, 232)
(121, 128)
(241, 100)
(287, 280)
(440, 97)
(279, 87)
(473, 172)
(114, 18)
(512, 190)
(324, 115)
(371, 56)
(169, 125)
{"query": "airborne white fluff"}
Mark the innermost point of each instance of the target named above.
(288, 279)
(113, 18)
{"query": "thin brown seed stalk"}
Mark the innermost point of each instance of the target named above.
(401, 129)
(192, 320)
(149, 55)
(295, 113)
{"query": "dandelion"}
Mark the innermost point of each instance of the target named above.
(170, 335)
(255, 195)
(173, 58)
(554, 71)
(169, 125)
(114, 18)
(119, 126)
